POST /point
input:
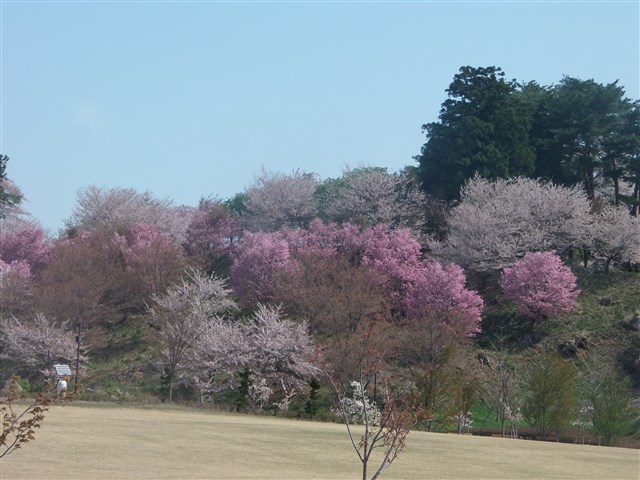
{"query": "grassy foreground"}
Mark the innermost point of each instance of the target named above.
(108, 442)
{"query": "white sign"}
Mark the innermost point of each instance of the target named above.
(62, 370)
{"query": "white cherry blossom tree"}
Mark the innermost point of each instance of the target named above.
(499, 221)
(278, 200)
(119, 209)
(180, 317)
(29, 344)
(275, 352)
(616, 236)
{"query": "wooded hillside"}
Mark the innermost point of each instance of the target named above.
(497, 279)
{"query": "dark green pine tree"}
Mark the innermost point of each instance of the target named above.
(483, 128)
(7, 199)
(581, 133)
(631, 133)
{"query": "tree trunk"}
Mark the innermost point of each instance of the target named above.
(584, 253)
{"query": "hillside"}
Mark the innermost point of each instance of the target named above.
(126, 369)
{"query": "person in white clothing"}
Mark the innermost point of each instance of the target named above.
(61, 387)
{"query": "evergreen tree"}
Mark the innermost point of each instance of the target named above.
(8, 197)
(631, 158)
(483, 128)
(583, 133)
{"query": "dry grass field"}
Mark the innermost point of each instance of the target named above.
(108, 442)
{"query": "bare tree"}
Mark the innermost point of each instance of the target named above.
(384, 429)
(152, 259)
(19, 421)
(80, 279)
(333, 294)
(503, 380)
(429, 348)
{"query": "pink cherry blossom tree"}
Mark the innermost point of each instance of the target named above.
(211, 236)
(439, 292)
(396, 252)
(16, 287)
(24, 241)
(260, 259)
(151, 258)
(410, 282)
(540, 285)
(413, 283)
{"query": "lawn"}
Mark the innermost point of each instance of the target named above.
(109, 442)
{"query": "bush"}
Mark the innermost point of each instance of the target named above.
(613, 411)
(551, 402)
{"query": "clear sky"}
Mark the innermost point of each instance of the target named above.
(190, 98)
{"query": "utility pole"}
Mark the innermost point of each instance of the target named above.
(75, 386)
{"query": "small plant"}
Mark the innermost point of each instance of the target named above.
(19, 423)
(357, 409)
(311, 406)
(384, 429)
(25, 384)
(463, 422)
(513, 417)
(583, 421)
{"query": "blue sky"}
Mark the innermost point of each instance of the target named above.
(190, 99)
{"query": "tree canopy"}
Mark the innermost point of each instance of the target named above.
(362, 277)
(10, 196)
(483, 128)
(574, 132)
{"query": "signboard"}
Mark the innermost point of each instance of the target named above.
(62, 370)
